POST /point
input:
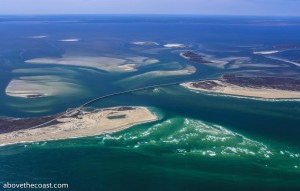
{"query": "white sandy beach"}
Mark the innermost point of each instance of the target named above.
(85, 124)
(230, 89)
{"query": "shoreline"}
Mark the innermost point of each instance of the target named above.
(108, 132)
(245, 88)
(82, 124)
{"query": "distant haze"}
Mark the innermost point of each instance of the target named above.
(199, 7)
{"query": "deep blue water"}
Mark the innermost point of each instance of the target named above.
(202, 142)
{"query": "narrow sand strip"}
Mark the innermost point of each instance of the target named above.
(82, 124)
(218, 86)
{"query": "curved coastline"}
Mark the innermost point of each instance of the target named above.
(82, 124)
(253, 87)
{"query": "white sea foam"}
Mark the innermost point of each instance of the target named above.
(198, 137)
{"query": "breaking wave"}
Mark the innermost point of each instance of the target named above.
(190, 136)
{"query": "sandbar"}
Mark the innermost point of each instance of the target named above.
(187, 70)
(39, 36)
(176, 46)
(110, 64)
(40, 86)
(145, 43)
(267, 52)
(70, 40)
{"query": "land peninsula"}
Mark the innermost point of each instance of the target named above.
(75, 123)
(259, 87)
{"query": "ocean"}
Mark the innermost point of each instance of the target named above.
(202, 141)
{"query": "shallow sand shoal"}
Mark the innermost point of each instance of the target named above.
(82, 124)
(147, 43)
(70, 40)
(109, 64)
(230, 89)
(41, 86)
(267, 52)
(175, 46)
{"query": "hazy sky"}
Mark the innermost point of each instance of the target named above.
(201, 7)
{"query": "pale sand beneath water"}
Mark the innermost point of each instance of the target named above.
(70, 40)
(39, 36)
(188, 70)
(110, 64)
(231, 89)
(267, 52)
(176, 46)
(82, 125)
(145, 43)
(285, 60)
(40, 86)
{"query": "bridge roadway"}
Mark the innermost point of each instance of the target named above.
(111, 95)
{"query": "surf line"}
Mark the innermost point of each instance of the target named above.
(68, 112)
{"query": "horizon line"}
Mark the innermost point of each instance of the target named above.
(146, 14)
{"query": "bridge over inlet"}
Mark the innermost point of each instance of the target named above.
(68, 112)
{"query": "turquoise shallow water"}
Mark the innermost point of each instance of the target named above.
(201, 142)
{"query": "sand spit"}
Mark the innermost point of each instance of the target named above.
(110, 64)
(82, 124)
(266, 87)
